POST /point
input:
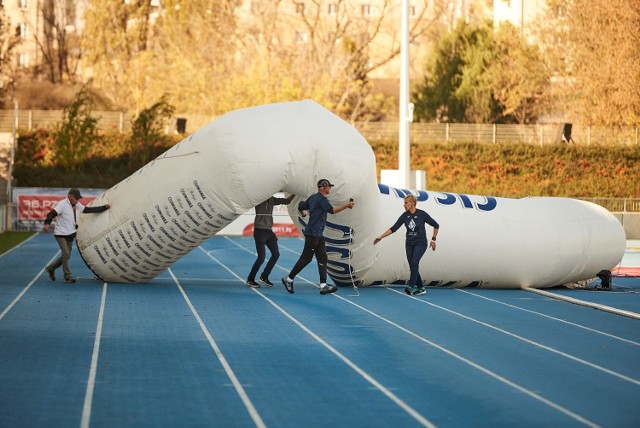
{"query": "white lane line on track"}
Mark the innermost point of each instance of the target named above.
(232, 241)
(451, 353)
(471, 363)
(597, 306)
(24, 290)
(88, 397)
(524, 339)
(417, 416)
(257, 420)
(552, 318)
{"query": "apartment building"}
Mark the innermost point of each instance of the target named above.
(36, 22)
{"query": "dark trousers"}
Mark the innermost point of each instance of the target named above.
(414, 254)
(312, 245)
(264, 237)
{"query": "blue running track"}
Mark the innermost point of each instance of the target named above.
(197, 348)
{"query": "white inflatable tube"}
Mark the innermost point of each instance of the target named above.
(196, 188)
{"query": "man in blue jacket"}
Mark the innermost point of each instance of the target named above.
(318, 207)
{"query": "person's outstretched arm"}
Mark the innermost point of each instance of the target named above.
(381, 237)
(342, 207)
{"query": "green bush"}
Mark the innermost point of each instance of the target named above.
(517, 170)
(510, 170)
(147, 132)
(75, 134)
(34, 148)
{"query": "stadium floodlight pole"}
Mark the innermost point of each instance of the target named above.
(404, 167)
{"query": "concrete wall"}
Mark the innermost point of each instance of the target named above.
(631, 224)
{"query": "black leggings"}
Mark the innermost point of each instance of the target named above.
(312, 245)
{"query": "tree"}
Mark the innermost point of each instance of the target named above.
(76, 132)
(8, 41)
(328, 57)
(455, 88)
(213, 56)
(58, 42)
(115, 41)
(148, 132)
(480, 76)
(593, 49)
(194, 46)
(518, 77)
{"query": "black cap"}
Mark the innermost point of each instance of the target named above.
(324, 183)
(75, 193)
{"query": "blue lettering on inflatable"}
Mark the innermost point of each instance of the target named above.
(343, 252)
(384, 189)
(449, 199)
(342, 273)
(346, 230)
(339, 269)
(490, 205)
(401, 193)
(422, 195)
(466, 202)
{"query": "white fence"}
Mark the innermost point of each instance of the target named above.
(420, 132)
(495, 133)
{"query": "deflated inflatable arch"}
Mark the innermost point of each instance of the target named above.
(196, 188)
(202, 184)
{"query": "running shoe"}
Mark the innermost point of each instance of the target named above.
(288, 284)
(328, 289)
(419, 291)
(52, 274)
(408, 290)
(69, 280)
(265, 280)
(251, 283)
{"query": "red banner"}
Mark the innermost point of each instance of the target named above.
(280, 229)
(36, 207)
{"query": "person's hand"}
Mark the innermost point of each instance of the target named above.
(45, 228)
(375, 241)
(433, 245)
(351, 203)
(304, 213)
(107, 206)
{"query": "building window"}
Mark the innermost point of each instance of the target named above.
(23, 60)
(300, 8)
(24, 4)
(23, 30)
(366, 9)
(412, 11)
(332, 9)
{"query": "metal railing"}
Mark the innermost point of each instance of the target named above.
(419, 132)
(617, 205)
(494, 133)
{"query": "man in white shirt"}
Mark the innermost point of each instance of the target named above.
(66, 212)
